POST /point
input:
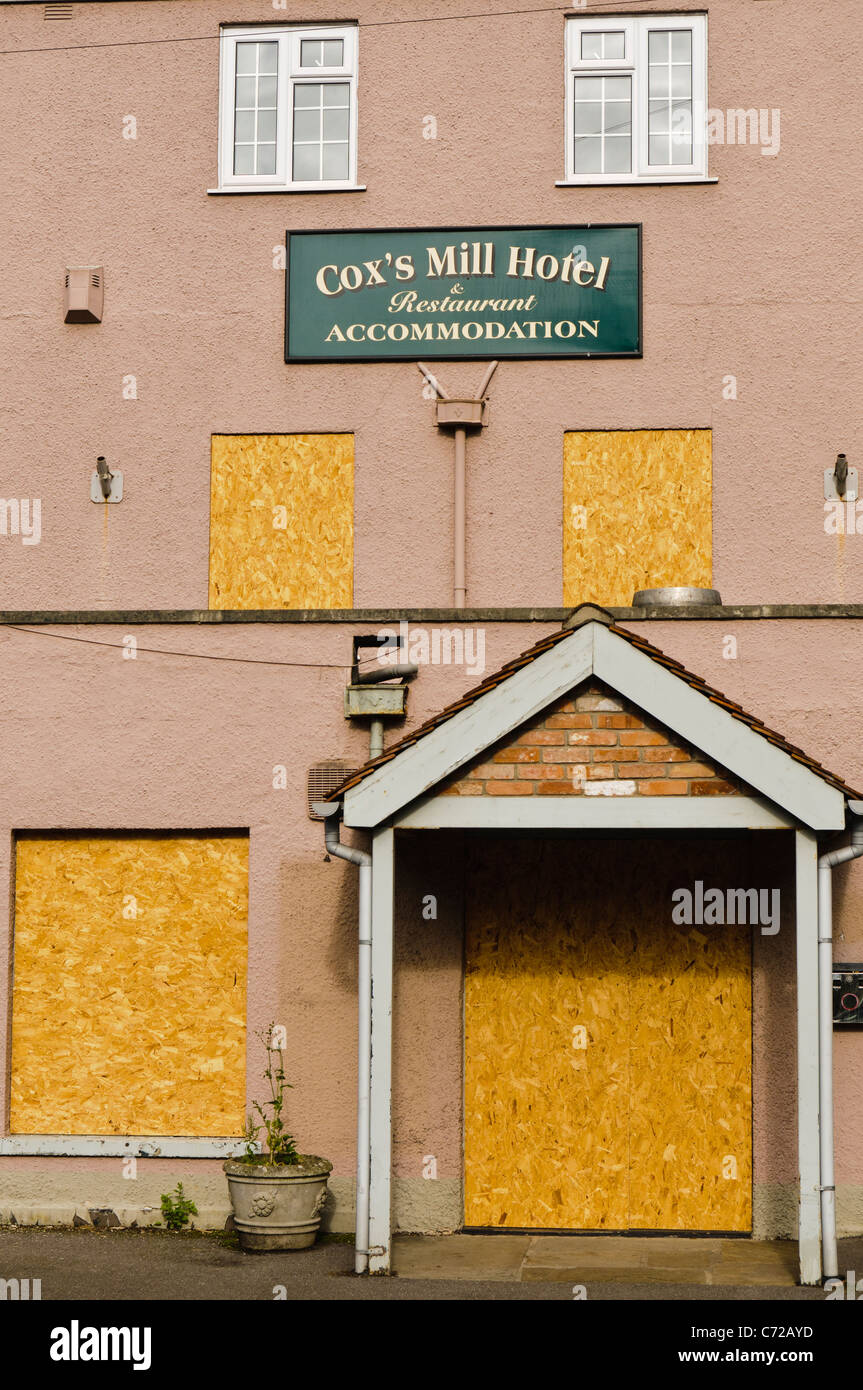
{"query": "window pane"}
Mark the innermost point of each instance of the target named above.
(336, 163)
(657, 46)
(244, 159)
(588, 155)
(591, 47)
(268, 57)
(617, 157)
(617, 118)
(246, 53)
(307, 163)
(307, 94)
(588, 117)
(617, 88)
(588, 89)
(658, 149)
(670, 97)
(311, 53)
(336, 125)
(267, 91)
(602, 125)
(266, 127)
(255, 108)
(596, 47)
(659, 114)
(681, 46)
(244, 130)
(681, 137)
(681, 80)
(245, 92)
(322, 53)
(266, 159)
(307, 126)
(658, 82)
(337, 94)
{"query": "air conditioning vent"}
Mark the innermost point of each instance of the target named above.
(57, 12)
(323, 779)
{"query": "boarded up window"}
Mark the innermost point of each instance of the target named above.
(129, 996)
(282, 521)
(636, 513)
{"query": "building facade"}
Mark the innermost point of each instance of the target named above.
(233, 233)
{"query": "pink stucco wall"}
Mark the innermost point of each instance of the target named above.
(95, 741)
(755, 276)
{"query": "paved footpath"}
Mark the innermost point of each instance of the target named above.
(107, 1265)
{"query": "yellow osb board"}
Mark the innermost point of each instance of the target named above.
(282, 521)
(569, 945)
(129, 995)
(637, 513)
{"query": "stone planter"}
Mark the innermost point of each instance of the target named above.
(278, 1208)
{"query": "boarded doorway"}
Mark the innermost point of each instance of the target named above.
(608, 1055)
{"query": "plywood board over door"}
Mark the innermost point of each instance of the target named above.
(608, 1053)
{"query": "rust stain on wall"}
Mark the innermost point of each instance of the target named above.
(637, 512)
(282, 521)
(129, 995)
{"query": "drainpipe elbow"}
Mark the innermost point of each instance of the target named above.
(329, 811)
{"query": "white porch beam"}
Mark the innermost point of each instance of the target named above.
(593, 813)
(383, 893)
(808, 1120)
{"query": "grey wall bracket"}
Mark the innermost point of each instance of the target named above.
(114, 483)
(831, 483)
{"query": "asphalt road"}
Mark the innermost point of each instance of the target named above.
(147, 1265)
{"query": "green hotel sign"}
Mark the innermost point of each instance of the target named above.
(376, 296)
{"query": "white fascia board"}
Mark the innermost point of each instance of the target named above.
(646, 813)
(721, 737)
(478, 726)
(114, 1146)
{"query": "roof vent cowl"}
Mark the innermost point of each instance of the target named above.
(675, 598)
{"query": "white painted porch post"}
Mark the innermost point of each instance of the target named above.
(383, 890)
(808, 1120)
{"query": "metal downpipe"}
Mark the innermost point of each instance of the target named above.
(459, 566)
(364, 1024)
(826, 864)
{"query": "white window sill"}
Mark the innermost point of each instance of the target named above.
(117, 1146)
(623, 182)
(322, 188)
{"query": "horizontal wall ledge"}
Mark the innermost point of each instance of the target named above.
(117, 1146)
(217, 617)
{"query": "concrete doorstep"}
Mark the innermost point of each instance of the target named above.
(588, 1259)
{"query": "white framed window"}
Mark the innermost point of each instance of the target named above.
(288, 108)
(636, 99)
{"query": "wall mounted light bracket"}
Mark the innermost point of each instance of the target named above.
(105, 486)
(840, 481)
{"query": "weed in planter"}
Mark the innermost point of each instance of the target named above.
(280, 1146)
(177, 1208)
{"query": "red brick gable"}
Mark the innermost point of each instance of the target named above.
(592, 743)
